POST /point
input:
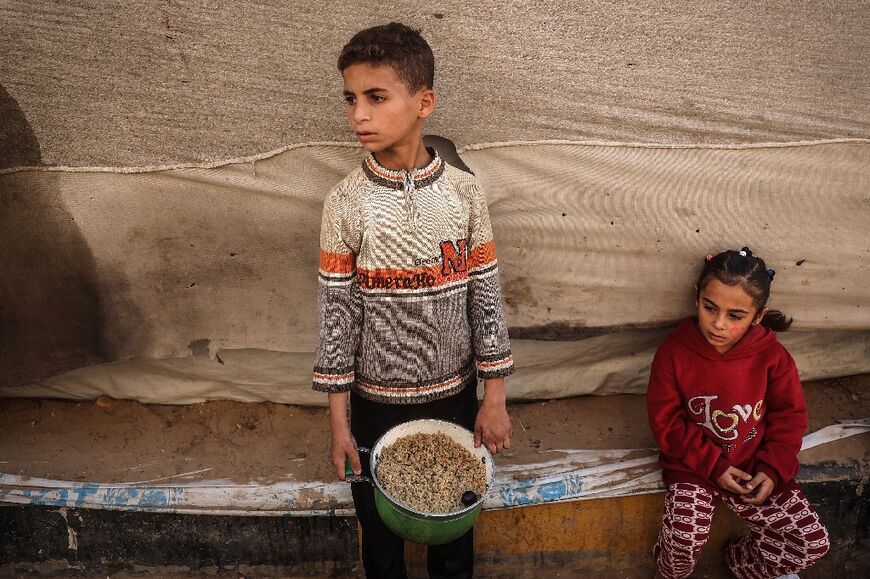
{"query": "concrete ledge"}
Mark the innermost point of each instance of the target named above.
(46, 541)
(608, 537)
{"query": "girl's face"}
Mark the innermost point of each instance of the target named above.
(725, 313)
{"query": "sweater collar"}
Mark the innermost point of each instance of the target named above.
(756, 340)
(396, 179)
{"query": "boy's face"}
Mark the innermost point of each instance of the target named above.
(384, 115)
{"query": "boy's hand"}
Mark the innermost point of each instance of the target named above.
(343, 448)
(493, 425)
(343, 445)
(733, 480)
(759, 488)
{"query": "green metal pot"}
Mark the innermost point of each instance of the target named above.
(426, 528)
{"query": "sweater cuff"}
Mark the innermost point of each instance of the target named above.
(771, 472)
(719, 468)
(495, 366)
(333, 379)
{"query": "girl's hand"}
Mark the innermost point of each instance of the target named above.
(759, 489)
(344, 447)
(733, 480)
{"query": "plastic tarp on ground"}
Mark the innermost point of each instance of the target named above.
(163, 182)
(571, 475)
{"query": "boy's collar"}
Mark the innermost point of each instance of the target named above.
(396, 179)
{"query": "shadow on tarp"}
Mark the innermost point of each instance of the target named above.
(52, 313)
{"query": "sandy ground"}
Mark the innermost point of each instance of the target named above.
(125, 441)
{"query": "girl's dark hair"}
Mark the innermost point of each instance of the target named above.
(394, 45)
(751, 274)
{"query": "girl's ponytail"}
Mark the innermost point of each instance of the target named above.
(776, 321)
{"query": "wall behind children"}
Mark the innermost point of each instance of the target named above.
(163, 167)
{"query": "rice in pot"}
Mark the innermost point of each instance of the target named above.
(430, 472)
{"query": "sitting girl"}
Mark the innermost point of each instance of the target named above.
(727, 410)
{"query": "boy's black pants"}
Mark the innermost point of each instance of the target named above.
(383, 552)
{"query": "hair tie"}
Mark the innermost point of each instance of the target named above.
(771, 273)
(709, 258)
(742, 253)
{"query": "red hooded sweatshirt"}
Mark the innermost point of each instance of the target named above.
(708, 411)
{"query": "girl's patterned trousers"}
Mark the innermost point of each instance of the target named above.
(785, 533)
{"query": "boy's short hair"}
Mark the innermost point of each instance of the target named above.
(394, 45)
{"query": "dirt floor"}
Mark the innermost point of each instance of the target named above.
(125, 441)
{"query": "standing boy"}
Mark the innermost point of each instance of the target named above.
(409, 298)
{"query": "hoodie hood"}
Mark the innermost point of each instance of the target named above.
(756, 340)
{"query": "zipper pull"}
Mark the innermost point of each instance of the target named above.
(410, 206)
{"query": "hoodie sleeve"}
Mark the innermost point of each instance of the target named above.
(785, 421)
(679, 438)
(339, 299)
(488, 327)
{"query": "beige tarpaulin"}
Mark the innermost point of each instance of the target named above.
(607, 364)
(155, 225)
(188, 261)
(145, 83)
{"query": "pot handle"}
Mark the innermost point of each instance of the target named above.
(355, 478)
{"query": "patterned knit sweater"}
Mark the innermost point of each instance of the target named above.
(409, 298)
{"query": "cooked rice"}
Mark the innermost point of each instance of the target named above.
(430, 472)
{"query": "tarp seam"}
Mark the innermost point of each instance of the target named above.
(157, 168)
(460, 150)
(638, 145)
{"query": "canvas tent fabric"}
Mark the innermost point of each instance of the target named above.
(171, 264)
(155, 83)
(613, 363)
(163, 168)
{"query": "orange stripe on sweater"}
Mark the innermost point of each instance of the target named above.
(332, 377)
(336, 262)
(482, 254)
(391, 177)
(416, 389)
(502, 362)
